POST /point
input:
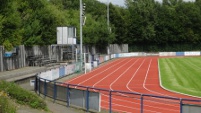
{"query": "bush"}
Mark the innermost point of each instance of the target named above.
(8, 46)
(22, 96)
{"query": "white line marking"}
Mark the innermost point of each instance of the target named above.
(146, 80)
(127, 85)
(97, 69)
(132, 108)
(122, 74)
(160, 81)
(111, 73)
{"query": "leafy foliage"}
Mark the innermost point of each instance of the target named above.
(22, 96)
(5, 105)
(8, 46)
(146, 25)
(166, 26)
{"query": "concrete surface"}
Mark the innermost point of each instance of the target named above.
(28, 72)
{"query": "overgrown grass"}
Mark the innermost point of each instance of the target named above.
(6, 105)
(22, 96)
(181, 74)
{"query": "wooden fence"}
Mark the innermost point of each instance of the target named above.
(32, 56)
(15, 61)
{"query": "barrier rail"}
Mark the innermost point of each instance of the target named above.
(66, 92)
(89, 98)
(82, 96)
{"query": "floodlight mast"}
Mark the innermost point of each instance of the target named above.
(82, 22)
(81, 6)
(108, 23)
(108, 15)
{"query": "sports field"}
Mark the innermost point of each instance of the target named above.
(141, 75)
(181, 74)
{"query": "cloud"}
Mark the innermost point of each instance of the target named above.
(115, 2)
(122, 2)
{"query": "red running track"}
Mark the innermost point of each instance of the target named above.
(138, 75)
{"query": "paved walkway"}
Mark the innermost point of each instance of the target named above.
(24, 72)
(20, 73)
(27, 72)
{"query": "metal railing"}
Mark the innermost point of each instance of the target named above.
(112, 98)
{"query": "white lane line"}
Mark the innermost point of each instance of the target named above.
(105, 76)
(160, 81)
(96, 74)
(102, 72)
(133, 78)
(117, 110)
(152, 101)
(122, 74)
(115, 62)
(154, 92)
(133, 108)
(145, 80)
(144, 86)
(127, 85)
(111, 73)
(124, 94)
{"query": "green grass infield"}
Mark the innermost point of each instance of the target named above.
(181, 74)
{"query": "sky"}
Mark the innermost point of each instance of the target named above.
(116, 2)
(121, 2)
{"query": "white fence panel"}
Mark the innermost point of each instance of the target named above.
(192, 53)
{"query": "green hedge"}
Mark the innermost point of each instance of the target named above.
(167, 47)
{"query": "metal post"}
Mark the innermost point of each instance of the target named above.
(85, 71)
(181, 104)
(45, 88)
(110, 102)
(73, 52)
(81, 21)
(76, 55)
(68, 96)
(1, 58)
(87, 99)
(39, 86)
(55, 91)
(141, 104)
(36, 84)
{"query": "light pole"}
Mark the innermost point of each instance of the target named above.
(81, 6)
(82, 22)
(108, 15)
(108, 24)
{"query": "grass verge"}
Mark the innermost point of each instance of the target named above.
(22, 96)
(6, 105)
(181, 74)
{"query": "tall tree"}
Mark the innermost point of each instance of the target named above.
(118, 20)
(142, 20)
(10, 24)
